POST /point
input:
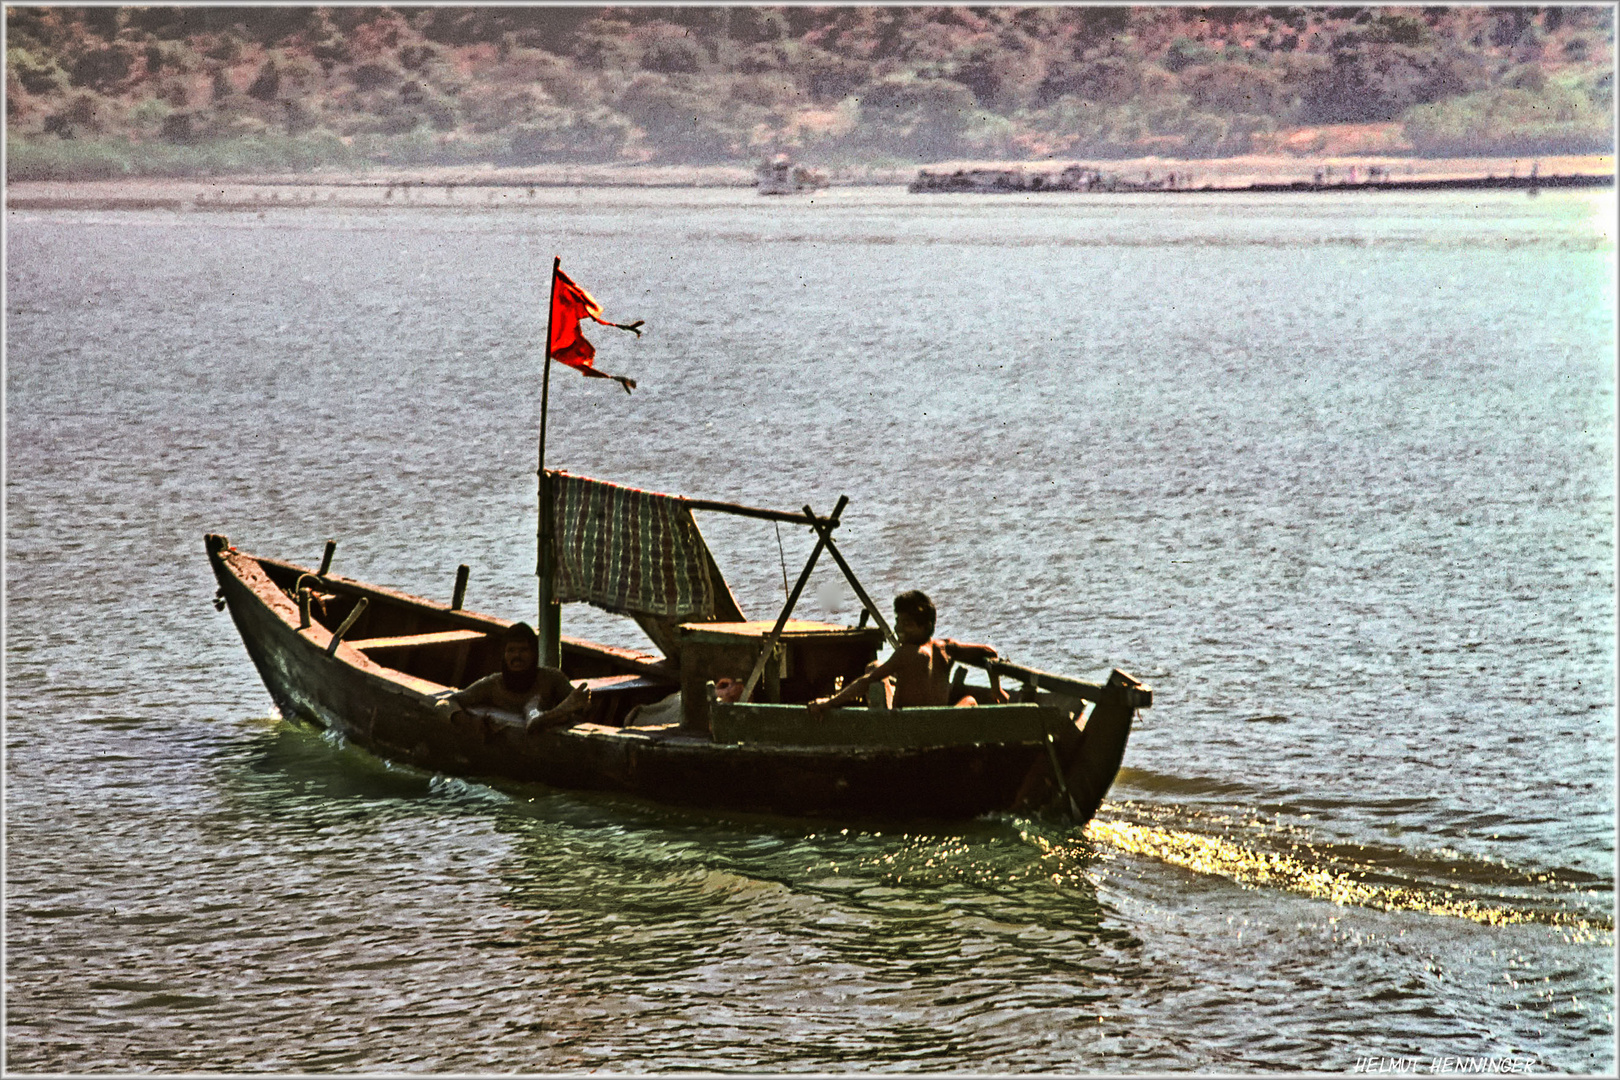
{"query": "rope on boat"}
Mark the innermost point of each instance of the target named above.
(780, 554)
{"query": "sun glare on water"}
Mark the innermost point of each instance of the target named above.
(1339, 883)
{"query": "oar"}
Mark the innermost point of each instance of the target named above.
(793, 597)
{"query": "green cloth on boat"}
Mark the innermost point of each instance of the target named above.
(629, 551)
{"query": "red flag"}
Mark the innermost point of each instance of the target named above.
(570, 304)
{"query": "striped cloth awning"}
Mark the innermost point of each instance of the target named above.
(629, 551)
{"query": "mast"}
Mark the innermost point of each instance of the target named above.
(550, 612)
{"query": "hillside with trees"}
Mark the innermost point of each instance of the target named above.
(99, 92)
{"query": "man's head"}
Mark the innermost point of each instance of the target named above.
(521, 649)
(913, 617)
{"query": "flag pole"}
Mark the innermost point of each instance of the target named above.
(550, 628)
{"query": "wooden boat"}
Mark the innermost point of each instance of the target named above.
(370, 663)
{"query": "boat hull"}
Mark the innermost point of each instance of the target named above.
(392, 715)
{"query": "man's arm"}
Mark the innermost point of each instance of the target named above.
(472, 697)
(856, 689)
(962, 651)
(578, 699)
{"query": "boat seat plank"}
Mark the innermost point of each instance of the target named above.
(792, 725)
(408, 641)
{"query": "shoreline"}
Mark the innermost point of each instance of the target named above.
(488, 186)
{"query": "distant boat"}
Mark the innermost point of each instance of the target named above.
(780, 176)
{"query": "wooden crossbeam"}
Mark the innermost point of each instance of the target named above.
(407, 641)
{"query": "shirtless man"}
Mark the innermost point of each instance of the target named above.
(543, 696)
(921, 665)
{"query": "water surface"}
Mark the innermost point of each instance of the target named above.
(1334, 475)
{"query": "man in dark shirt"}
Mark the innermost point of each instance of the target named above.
(543, 696)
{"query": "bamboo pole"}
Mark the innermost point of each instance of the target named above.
(791, 517)
(550, 612)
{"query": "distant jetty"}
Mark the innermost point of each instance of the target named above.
(1017, 181)
(1087, 179)
(1463, 183)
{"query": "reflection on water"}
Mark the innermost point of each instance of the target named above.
(1338, 483)
(1304, 870)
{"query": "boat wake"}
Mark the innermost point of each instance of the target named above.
(1259, 854)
